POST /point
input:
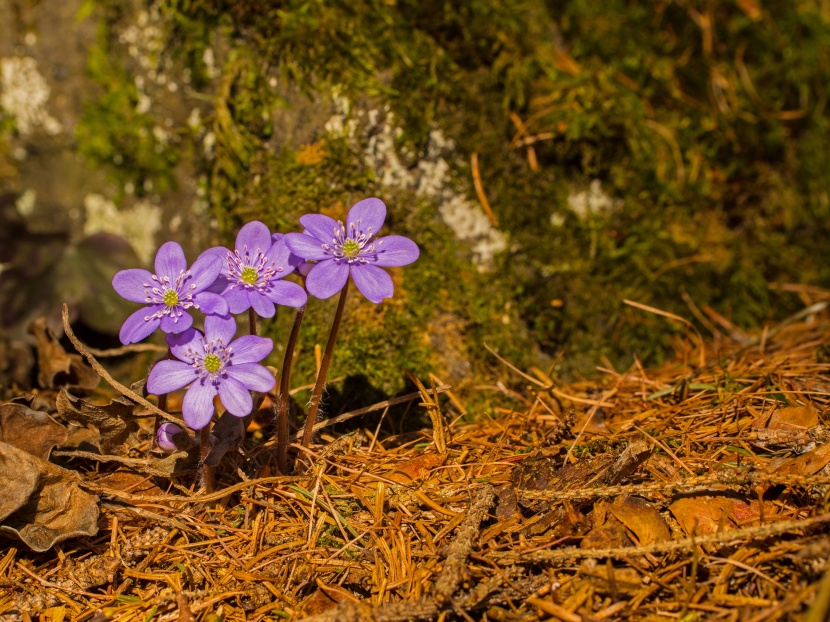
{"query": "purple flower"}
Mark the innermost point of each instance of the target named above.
(253, 270)
(351, 250)
(171, 437)
(168, 293)
(211, 364)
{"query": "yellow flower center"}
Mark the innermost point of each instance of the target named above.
(249, 275)
(350, 248)
(171, 298)
(212, 363)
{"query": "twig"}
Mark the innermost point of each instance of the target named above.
(362, 411)
(737, 535)
(454, 566)
(125, 391)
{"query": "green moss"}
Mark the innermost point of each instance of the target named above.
(712, 142)
(115, 133)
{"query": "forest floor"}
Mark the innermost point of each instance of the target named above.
(699, 490)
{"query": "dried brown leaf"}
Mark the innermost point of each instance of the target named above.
(32, 431)
(40, 502)
(57, 368)
(642, 518)
(115, 421)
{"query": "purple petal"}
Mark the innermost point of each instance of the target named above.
(250, 349)
(165, 434)
(279, 256)
(203, 273)
(136, 328)
(183, 344)
(168, 376)
(373, 282)
(261, 304)
(255, 235)
(177, 324)
(235, 397)
(276, 237)
(130, 284)
(220, 252)
(320, 226)
(305, 246)
(197, 406)
(237, 299)
(170, 261)
(287, 294)
(367, 215)
(327, 278)
(219, 285)
(395, 250)
(220, 327)
(252, 376)
(211, 304)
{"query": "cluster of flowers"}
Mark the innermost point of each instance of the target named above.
(222, 282)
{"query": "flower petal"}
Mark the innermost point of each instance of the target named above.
(170, 261)
(235, 397)
(279, 256)
(237, 299)
(211, 304)
(327, 278)
(197, 406)
(136, 328)
(203, 273)
(176, 324)
(255, 235)
(319, 226)
(252, 376)
(130, 284)
(184, 344)
(168, 376)
(220, 327)
(395, 250)
(287, 294)
(220, 252)
(305, 246)
(261, 304)
(250, 349)
(276, 237)
(373, 282)
(366, 215)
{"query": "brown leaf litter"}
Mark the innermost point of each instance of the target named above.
(696, 491)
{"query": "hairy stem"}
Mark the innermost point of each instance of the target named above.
(252, 320)
(317, 392)
(207, 472)
(284, 397)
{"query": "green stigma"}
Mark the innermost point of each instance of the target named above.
(249, 275)
(212, 363)
(350, 248)
(170, 298)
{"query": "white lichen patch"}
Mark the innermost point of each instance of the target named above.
(25, 204)
(138, 224)
(430, 175)
(24, 94)
(593, 201)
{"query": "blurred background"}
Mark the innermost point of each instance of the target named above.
(551, 159)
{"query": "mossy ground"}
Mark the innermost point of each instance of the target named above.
(705, 124)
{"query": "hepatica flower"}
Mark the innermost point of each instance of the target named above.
(169, 294)
(351, 249)
(213, 364)
(253, 271)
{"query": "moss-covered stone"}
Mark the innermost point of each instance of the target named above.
(668, 153)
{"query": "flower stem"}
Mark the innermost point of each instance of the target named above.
(317, 392)
(208, 482)
(252, 320)
(284, 397)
